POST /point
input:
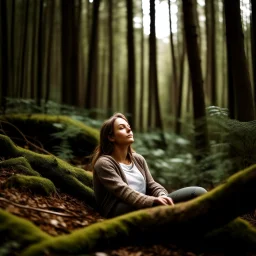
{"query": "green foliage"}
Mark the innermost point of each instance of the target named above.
(29, 106)
(175, 167)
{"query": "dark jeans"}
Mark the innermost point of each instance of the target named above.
(180, 195)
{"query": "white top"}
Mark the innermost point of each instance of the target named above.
(134, 177)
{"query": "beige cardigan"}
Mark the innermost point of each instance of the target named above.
(110, 185)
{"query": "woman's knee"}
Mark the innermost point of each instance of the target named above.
(200, 191)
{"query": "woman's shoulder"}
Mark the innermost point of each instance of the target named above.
(104, 159)
(138, 157)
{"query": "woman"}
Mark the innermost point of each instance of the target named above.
(122, 181)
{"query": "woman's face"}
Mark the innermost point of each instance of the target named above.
(122, 133)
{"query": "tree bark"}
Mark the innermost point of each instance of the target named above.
(237, 62)
(110, 57)
(174, 84)
(201, 131)
(154, 114)
(131, 106)
(4, 55)
(253, 46)
(92, 58)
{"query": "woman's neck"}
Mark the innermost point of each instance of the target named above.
(121, 155)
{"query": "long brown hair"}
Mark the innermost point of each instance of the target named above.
(105, 146)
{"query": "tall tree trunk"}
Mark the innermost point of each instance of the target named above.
(131, 64)
(209, 43)
(239, 67)
(141, 108)
(4, 55)
(110, 56)
(174, 84)
(49, 52)
(201, 133)
(23, 49)
(40, 51)
(33, 52)
(12, 51)
(92, 58)
(213, 54)
(180, 90)
(153, 80)
(253, 46)
(70, 51)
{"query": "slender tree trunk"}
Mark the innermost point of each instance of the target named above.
(131, 106)
(70, 51)
(209, 43)
(21, 70)
(34, 60)
(12, 52)
(239, 67)
(92, 57)
(40, 51)
(141, 108)
(253, 46)
(110, 56)
(49, 52)
(4, 55)
(180, 90)
(201, 133)
(174, 85)
(153, 80)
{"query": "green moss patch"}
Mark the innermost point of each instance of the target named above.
(77, 138)
(19, 164)
(18, 232)
(37, 185)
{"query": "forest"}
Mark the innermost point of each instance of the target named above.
(184, 74)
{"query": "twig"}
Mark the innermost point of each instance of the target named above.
(37, 209)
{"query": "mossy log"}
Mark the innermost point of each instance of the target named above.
(52, 130)
(210, 217)
(34, 184)
(73, 180)
(19, 232)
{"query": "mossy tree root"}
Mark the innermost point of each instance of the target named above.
(187, 221)
(19, 164)
(72, 180)
(19, 231)
(37, 185)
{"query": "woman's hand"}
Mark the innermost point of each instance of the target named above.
(163, 200)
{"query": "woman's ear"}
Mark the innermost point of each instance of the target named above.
(111, 138)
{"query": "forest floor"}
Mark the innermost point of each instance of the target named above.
(61, 214)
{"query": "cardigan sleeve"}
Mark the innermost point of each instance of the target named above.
(153, 187)
(107, 173)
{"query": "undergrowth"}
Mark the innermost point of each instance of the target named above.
(174, 166)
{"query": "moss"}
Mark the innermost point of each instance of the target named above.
(237, 235)
(98, 236)
(19, 230)
(37, 185)
(69, 179)
(20, 164)
(53, 130)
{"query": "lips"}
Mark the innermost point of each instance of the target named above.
(130, 136)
